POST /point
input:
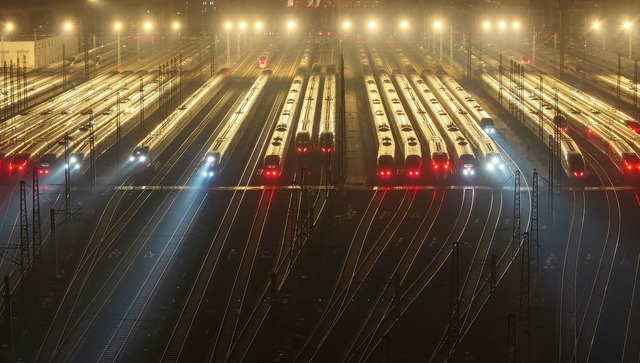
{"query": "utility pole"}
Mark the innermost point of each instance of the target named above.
(24, 231)
(67, 178)
(9, 316)
(516, 215)
(534, 230)
(525, 289)
(37, 236)
(141, 108)
(92, 154)
(454, 314)
(512, 349)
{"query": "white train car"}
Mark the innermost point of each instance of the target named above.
(571, 157)
(471, 105)
(278, 145)
(605, 136)
(163, 134)
(227, 135)
(411, 149)
(464, 157)
(437, 147)
(386, 166)
(486, 150)
(326, 138)
(304, 129)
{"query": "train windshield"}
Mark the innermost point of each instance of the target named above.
(386, 165)
(487, 125)
(440, 160)
(412, 165)
(576, 165)
(467, 161)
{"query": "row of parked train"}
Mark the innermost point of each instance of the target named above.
(456, 133)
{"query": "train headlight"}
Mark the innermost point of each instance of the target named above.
(132, 158)
(465, 172)
(73, 160)
(76, 167)
(211, 159)
(142, 158)
(490, 166)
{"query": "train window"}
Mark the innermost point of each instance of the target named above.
(286, 113)
(391, 90)
(400, 113)
(395, 100)
(290, 101)
(370, 81)
(376, 101)
(296, 81)
(387, 81)
(373, 91)
(379, 113)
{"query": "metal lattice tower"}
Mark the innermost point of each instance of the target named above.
(516, 214)
(512, 351)
(293, 223)
(534, 229)
(525, 290)
(37, 236)
(500, 70)
(468, 54)
(556, 149)
(92, 154)
(618, 83)
(550, 179)
(540, 111)
(635, 90)
(24, 231)
(67, 178)
(454, 315)
(141, 108)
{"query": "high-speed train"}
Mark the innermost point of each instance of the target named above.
(471, 105)
(163, 134)
(263, 61)
(463, 155)
(570, 155)
(486, 150)
(437, 146)
(326, 138)
(303, 139)
(279, 142)
(228, 134)
(386, 145)
(411, 149)
(605, 137)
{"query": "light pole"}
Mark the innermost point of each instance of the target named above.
(68, 26)
(438, 26)
(242, 25)
(118, 26)
(228, 26)
(516, 27)
(175, 26)
(147, 27)
(290, 26)
(7, 28)
(629, 27)
(372, 27)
